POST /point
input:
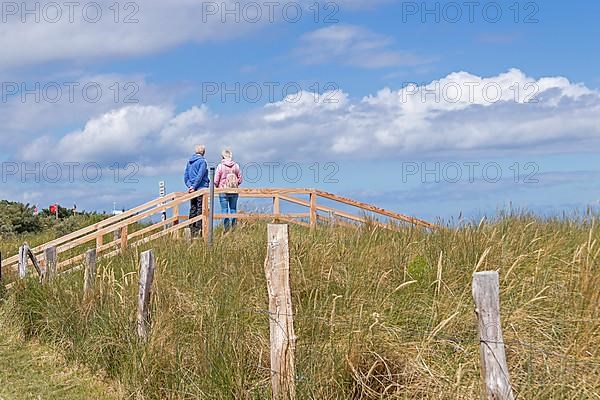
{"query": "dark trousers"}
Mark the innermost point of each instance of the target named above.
(196, 210)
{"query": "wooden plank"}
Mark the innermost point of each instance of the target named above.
(99, 241)
(148, 209)
(147, 266)
(23, 250)
(90, 271)
(50, 256)
(313, 210)
(78, 259)
(104, 223)
(261, 216)
(175, 220)
(106, 229)
(377, 210)
(35, 263)
(267, 192)
(151, 228)
(281, 322)
(205, 212)
(494, 369)
(324, 208)
(340, 223)
(124, 239)
(276, 207)
(295, 222)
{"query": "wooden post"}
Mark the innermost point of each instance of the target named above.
(176, 233)
(51, 261)
(332, 218)
(313, 210)
(23, 250)
(276, 207)
(187, 234)
(99, 241)
(176, 215)
(35, 263)
(124, 238)
(494, 369)
(90, 270)
(283, 339)
(205, 212)
(147, 266)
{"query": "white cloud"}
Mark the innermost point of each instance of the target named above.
(352, 45)
(38, 108)
(76, 32)
(80, 34)
(390, 124)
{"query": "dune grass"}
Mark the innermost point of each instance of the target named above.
(378, 314)
(29, 370)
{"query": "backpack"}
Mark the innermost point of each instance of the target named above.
(231, 180)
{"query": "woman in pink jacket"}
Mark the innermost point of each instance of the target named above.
(228, 176)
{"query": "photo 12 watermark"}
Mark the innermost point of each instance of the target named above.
(469, 171)
(68, 172)
(255, 92)
(487, 92)
(454, 12)
(254, 12)
(69, 12)
(55, 92)
(290, 172)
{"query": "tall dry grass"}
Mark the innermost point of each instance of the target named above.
(378, 314)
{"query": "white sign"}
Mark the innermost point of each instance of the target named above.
(162, 189)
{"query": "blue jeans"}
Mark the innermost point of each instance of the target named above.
(229, 206)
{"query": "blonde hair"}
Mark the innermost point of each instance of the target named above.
(200, 149)
(227, 154)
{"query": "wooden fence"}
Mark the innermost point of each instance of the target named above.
(115, 234)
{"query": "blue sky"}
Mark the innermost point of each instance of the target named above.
(377, 98)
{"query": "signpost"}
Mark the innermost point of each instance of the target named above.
(162, 192)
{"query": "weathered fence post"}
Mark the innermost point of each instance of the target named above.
(23, 250)
(51, 261)
(283, 339)
(147, 266)
(494, 369)
(187, 234)
(124, 238)
(313, 210)
(36, 264)
(332, 218)
(90, 270)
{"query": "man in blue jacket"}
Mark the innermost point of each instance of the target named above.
(195, 178)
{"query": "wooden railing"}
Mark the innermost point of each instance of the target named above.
(81, 240)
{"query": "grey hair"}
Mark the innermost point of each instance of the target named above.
(227, 154)
(200, 149)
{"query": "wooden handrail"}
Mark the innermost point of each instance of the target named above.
(377, 210)
(173, 201)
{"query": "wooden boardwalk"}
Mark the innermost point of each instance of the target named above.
(174, 223)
